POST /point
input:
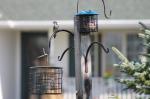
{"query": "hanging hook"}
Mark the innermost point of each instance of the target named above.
(77, 6)
(55, 32)
(106, 16)
(105, 49)
(60, 57)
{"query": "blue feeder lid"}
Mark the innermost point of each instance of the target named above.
(87, 12)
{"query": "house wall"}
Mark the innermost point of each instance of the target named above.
(9, 64)
(61, 43)
(10, 60)
(66, 9)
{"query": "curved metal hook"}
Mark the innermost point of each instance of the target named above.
(106, 50)
(60, 57)
(106, 16)
(77, 6)
(55, 32)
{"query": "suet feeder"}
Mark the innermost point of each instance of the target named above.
(87, 21)
(45, 80)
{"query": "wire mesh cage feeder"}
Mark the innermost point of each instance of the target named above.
(45, 80)
(87, 21)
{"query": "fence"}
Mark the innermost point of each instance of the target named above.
(101, 89)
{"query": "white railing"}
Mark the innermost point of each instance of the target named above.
(104, 25)
(102, 89)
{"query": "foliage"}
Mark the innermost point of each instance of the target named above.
(138, 73)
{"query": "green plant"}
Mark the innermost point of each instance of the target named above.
(138, 73)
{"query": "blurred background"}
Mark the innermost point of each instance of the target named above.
(25, 26)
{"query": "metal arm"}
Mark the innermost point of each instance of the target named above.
(106, 50)
(55, 32)
(60, 57)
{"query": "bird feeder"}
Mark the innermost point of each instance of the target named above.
(45, 79)
(87, 21)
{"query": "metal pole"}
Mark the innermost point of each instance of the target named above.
(83, 79)
(78, 72)
(86, 66)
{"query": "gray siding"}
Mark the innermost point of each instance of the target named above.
(65, 9)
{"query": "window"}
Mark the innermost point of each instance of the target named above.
(31, 44)
(116, 40)
(134, 47)
(71, 67)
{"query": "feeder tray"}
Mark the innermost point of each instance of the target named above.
(45, 80)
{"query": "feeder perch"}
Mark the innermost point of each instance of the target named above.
(43, 59)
